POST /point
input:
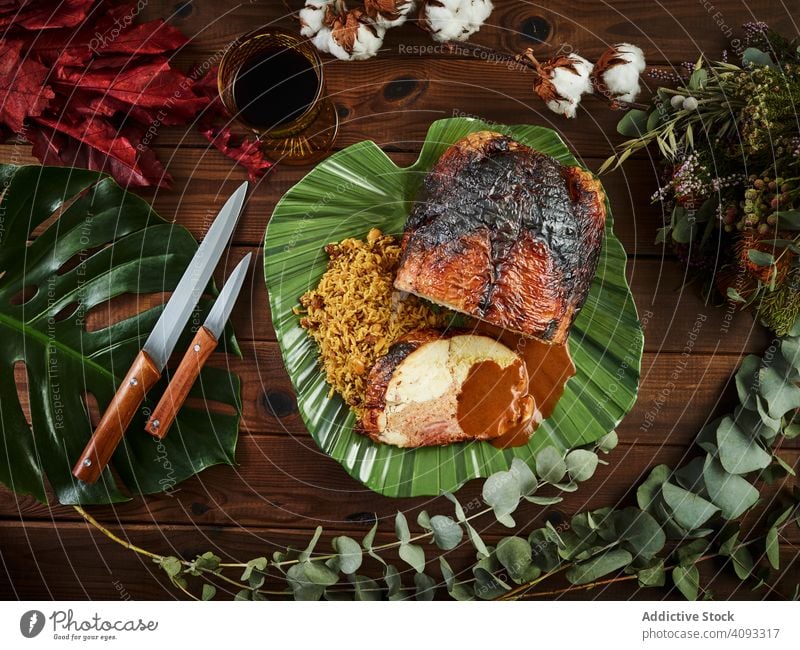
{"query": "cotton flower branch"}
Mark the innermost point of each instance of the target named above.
(564, 80)
(357, 33)
(453, 20)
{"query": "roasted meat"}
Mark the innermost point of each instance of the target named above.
(506, 234)
(434, 389)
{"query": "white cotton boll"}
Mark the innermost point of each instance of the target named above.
(442, 20)
(312, 17)
(566, 108)
(402, 8)
(619, 69)
(322, 40)
(632, 55)
(478, 11)
(385, 23)
(572, 82)
(569, 80)
(368, 41)
(456, 20)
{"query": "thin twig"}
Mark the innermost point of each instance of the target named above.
(91, 520)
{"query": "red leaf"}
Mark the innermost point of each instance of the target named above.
(109, 88)
(23, 92)
(154, 37)
(96, 144)
(149, 85)
(45, 14)
(215, 126)
(246, 152)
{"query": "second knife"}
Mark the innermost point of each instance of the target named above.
(200, 349)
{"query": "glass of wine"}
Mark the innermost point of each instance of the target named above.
(272, 81)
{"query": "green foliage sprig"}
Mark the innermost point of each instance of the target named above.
(730, 158)
(683, 517)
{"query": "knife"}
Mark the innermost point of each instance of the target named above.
(201, 347)
(149, 364)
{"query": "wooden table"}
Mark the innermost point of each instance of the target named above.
(283, 486)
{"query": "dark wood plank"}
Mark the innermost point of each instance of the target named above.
(204, 178)
(671, 32)
(677, 396)
(287, 483)
(72, 561)
(284, 485)
(675, 317)
(393, 102)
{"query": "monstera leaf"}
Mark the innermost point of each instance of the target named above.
(72, 240)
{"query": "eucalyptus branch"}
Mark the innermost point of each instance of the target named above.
(699, 504)
(122, 542)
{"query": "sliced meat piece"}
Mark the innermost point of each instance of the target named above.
(506, 234)
(434, 389)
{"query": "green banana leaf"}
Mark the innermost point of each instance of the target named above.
(359, 188)
(70, 241)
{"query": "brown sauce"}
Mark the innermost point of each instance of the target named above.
(549, 367)
(493, 400)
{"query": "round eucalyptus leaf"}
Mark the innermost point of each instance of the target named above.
(524, 475)
(738, 452)
(690, 552)
(209, 591)
(690, 476)
(319, 574)
(393, 583)
(732, 494)
(544, 553)
(302, 587)
(747, 381)
(608, 442)
(598, 566)
(782, 396)
(401, 527)
(581, 464)
(413, 555)
(652, 576)
(689, 510)
(366, 588)
(515, 554)
(501, 491)
(350, 554)
(772, 548)
(639, 532)
(790, 349)
(687, 580)
(424, 520)
(649, 491)
(447, 534)
(550, 465)
(425, 587)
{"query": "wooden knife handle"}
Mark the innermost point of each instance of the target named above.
(181, 383)
(141, 377)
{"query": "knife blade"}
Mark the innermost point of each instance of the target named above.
(149, 364)
(200, 349)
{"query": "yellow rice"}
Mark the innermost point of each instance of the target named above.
(354, 314)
